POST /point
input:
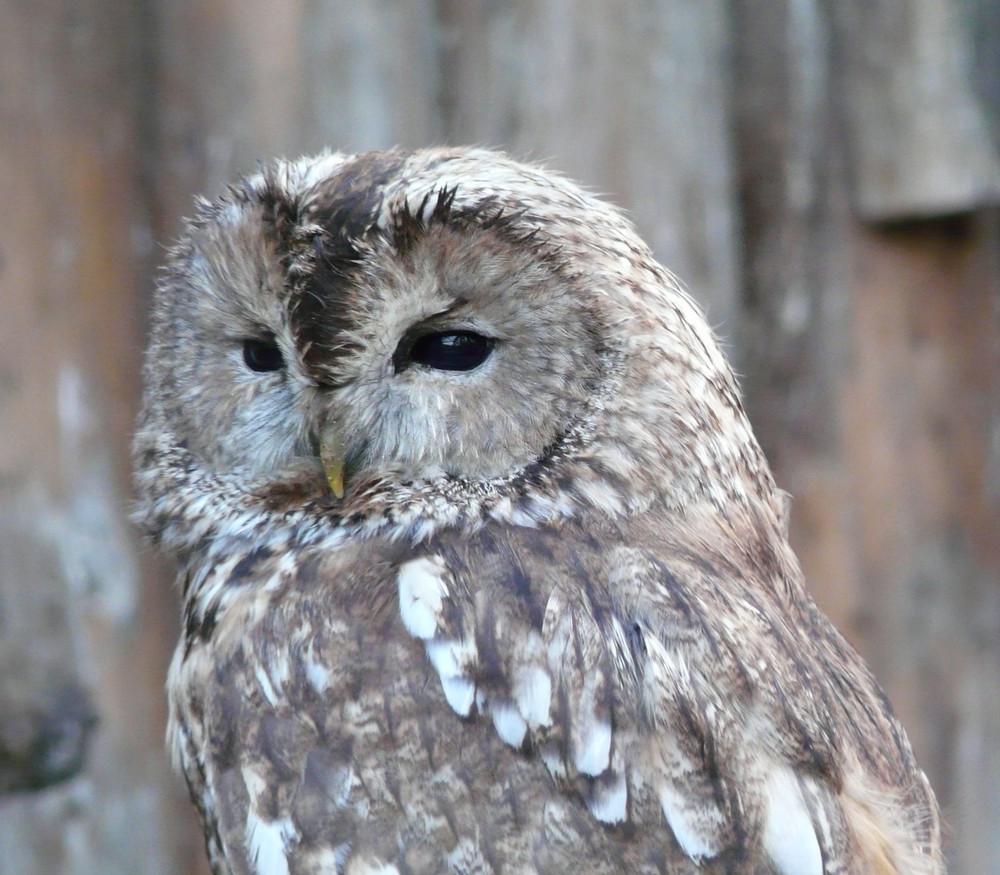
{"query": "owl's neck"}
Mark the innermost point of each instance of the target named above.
(608, 475)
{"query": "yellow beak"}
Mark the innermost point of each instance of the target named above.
(331, 454)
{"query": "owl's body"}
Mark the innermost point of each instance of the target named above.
(483, 569)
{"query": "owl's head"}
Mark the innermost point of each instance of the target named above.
(396, 320)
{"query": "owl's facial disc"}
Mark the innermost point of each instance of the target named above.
(456, 352)
(325, 348)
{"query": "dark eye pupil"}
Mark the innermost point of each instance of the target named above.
(450, 350)
(262, 355)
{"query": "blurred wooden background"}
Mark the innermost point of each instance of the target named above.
(823, 175)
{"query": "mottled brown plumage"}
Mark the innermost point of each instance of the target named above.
(553, 624)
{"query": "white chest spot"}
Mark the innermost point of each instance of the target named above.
(422, 589)
(789, 836)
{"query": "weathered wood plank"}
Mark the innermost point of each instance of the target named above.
(916, 410)
(241, 82)
(921, 143)
(74, 252)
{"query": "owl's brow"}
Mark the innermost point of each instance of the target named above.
(458, 302)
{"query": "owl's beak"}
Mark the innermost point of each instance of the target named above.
(331, 454)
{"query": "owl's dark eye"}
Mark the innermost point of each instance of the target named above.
(262, 354)
(445, 351)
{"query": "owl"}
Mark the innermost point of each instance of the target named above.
(483, 570)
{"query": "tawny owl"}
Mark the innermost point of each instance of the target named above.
(483, 569)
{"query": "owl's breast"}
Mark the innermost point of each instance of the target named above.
(312, 716)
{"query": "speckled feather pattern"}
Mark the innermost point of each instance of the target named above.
(554, 625)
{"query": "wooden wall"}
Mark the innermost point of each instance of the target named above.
(823, 176)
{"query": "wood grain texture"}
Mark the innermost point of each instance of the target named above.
(79, 609)
(920, 138)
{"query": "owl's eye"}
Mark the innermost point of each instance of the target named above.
(446, 351)
(262, 354)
